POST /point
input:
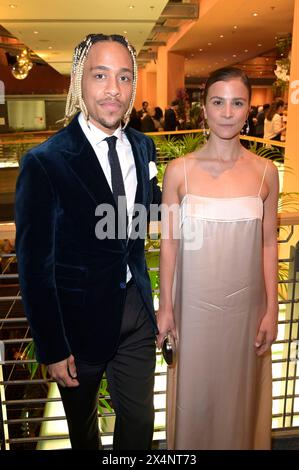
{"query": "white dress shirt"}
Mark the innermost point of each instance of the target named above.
(96, 138)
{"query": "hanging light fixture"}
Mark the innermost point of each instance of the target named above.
(22, 66)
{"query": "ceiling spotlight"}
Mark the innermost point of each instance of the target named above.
(236, 26)
(35, 32)
(245, 50)
(255, 13)
(234, 55)
(210, 43)
(259, 45)
(200, 50)
(131, 7)
(221, 36)
(12, 5)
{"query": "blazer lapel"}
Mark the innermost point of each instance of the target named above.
(141, 164)
(142, 170)
(84, 163)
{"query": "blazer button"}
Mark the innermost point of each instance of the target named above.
(122, 285)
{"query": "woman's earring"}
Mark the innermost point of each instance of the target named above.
(206, 130)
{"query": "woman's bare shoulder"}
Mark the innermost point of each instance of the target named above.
(261, 162)
(175, 170)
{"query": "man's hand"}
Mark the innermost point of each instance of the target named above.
(64, 372)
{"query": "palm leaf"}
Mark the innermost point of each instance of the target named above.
(174, 146)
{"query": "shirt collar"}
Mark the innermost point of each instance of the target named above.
(96, 135)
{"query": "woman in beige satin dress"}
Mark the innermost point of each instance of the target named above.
(218, 274)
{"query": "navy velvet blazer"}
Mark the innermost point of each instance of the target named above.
(73, 284)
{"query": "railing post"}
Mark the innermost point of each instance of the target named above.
(4, 436)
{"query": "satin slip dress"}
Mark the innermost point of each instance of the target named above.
(219, 394)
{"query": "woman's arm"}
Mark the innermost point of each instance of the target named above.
(268, 328)
(169, 248)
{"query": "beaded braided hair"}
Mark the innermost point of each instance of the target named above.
(75, 101)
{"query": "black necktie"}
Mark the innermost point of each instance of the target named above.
(117, 182)
(118, 187)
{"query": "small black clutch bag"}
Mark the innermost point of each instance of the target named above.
(169, 349)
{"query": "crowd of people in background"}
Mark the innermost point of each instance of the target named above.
(266, 121)
(152, 119)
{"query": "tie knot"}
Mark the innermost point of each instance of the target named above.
(111, 141)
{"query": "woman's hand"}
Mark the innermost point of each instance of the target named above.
(267, 334)
(166, 324)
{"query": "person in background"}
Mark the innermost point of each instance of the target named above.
(144, 110)
(218, 281)
(86, 290)
(135, 121)
(158, 119)
(147, 123)
(273, 125)
(259, 128)
(170, 117)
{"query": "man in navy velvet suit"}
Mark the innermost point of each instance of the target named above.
(87, 297)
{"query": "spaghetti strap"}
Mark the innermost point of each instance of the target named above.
(185, 173)
(263, 178)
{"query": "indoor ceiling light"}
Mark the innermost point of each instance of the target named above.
(19, 72)
(22, 66)
(255, 13)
